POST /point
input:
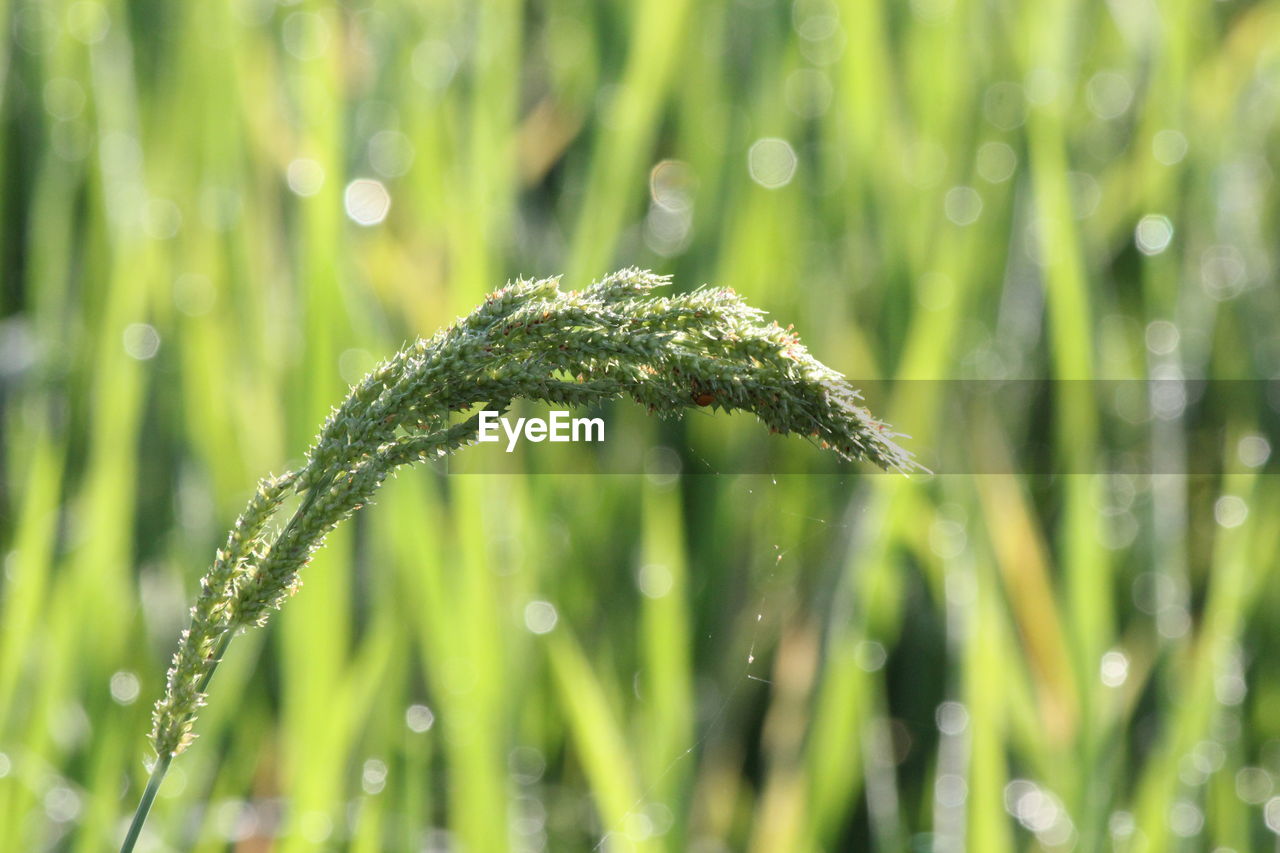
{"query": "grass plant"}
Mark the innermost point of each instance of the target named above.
(532, 341)
(953, 190)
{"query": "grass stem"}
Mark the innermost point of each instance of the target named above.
(144, 805)
(162, 762)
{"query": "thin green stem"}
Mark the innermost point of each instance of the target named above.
(223, 642)
(162, 762)
(144, 805)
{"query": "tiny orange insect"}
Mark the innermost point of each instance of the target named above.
(705, 398)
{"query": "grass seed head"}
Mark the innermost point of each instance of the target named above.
(529, 340)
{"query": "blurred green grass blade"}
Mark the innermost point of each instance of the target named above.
(475, 674)
(533, 130)
(491, 180)
(1207, 660)
(615, 178)
(666, 725)
(599, 744)
(1070, 319)
(314, 628)
(986, 667)
(27, 571)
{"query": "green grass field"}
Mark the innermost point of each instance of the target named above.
(1068, 646)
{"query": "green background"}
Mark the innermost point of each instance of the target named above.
(1055, 190)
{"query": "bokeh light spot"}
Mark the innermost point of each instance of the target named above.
(1254, 785)
(305, 176)
(141, 341)
(1042, 86)
(1162, 337)
(1086, 194)
(125, 687)
(305, 35)
(963, 205)
(1254, 450)
(1230, 511)
(390, 153)
(951, 790)
(870, 656)
(947, 538)
(672, 184)
(667, 231)
(1185, 819)
(1168, 147)
(354, 363)
(1108, 94)
(952, 718)
(540, 617)
(433, 64)
(419, 718)
(1114, 668)
(373, 776)
(655, 580)
(996, 162)
(1153, 234)
(772, 162)
(366, 201)
(61, 804)
(1223, 273)
(815, 20)
(526, 764)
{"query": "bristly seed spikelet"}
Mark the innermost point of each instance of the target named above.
(615, 339)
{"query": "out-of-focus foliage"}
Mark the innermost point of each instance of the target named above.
(214, 216)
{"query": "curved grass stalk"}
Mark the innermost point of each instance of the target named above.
(529, 340)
